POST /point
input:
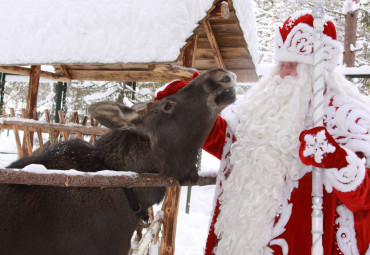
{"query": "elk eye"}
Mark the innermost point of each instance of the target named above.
(226, 78)
(167, 108)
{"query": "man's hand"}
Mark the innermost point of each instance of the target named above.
(318, 148)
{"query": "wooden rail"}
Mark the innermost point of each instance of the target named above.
(37, 175)
(101, 179)
(45, 127)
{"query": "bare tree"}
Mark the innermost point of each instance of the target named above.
(350, 29)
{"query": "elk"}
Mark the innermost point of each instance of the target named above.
(162, 137)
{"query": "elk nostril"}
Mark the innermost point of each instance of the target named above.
(225, 78)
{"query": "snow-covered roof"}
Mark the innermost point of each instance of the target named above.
(72, 34)
(100, 31)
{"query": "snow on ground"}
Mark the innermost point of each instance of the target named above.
(192, 228)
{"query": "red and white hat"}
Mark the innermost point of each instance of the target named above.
(295, 41)
(173, 87)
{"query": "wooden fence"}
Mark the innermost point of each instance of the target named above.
(63, 131)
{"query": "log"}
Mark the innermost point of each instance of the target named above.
(214, 45)
(32, 92)
(188, 53)
(8, 123)
(101, 179)
(221, 11)
(170, 207)
(26, 71)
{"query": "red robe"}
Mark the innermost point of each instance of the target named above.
(298, 229)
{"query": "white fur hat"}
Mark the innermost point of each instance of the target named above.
(295, 41)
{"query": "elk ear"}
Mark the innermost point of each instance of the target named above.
(113, 115)
(139, 106)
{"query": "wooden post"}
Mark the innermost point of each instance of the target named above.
(47, 118)
(58, 103)
(188, 53)
(214, 45)
(2, 88)
(27, 137)
(31, 108)
(33, 89)
(16, 136)
(170, 207)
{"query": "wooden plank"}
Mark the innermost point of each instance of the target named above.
(221, 11)
(31, 108)
(27, 142)
(170, 207)
(16, 136)
(41, 141)
(18, 142)
(188, 52)
(226, 52)
(229, 64)
(26, 71)
(230, 28)
(224, 40)
(47, 118)
(246, 75)
(62, 121)
(160, 74)
(213, 43)
(46, 127)
(230, 41)
(63, 69)
(33, 88)
(93, 124)
(72, 179)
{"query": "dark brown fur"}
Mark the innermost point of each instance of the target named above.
(51, 220)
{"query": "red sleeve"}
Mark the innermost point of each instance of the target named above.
(359, 199)
(215, 140)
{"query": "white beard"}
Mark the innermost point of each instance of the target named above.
(264, 161)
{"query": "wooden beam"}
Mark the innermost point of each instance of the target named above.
(213, 42)
(188, 54)
(221, 11)
(33, 89)
(170, 207)
(26, 71)
(160, 73)
(64, 71)
(243, 75)
(45, 127)
(73, 178)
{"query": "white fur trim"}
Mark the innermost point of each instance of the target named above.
(347, 178)
(299, 45)
(228, 114)
(348, 121)
(282, 243)
(346, 234)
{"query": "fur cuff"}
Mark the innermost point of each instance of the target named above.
(347, 178)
